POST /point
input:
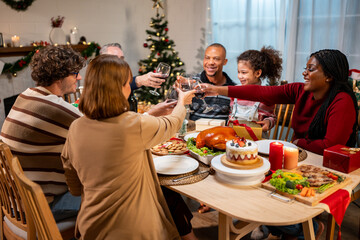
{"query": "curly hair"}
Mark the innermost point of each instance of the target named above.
(267, 59)
(53, 63)
(335, 65)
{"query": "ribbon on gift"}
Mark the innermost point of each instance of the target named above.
(338, 203)
(248, 129)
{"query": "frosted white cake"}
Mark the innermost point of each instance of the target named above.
(241, 151)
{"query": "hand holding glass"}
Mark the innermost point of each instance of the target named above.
(164, 69)
(200, 94)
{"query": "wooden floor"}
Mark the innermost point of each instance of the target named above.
(205, 224)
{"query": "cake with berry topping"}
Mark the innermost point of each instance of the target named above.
(242, 151)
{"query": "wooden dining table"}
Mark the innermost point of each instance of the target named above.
(253, 206)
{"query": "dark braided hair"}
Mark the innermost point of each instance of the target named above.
(335, 65)
(267, 59)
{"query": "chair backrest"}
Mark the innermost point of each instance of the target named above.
(13, 215)
(36, 204)
(72, 97)
(284, 113)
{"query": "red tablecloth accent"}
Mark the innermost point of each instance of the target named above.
(338, 203)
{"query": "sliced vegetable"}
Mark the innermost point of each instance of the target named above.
(304, 191)
(290, 184)
(324, 187)
(332, 176)
(292, 176)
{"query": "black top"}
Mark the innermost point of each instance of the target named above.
(221, 104)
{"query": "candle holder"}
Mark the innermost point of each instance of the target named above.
(15, 41)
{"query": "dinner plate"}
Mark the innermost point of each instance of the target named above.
(190, 135)
(264, 145)
(174, 165)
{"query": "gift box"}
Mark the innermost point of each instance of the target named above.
(248, 130)
(206, 123)
(342, 158)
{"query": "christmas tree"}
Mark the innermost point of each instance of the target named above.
(161, 50)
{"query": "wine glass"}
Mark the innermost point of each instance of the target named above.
(200, 94)
(171, 95)
(164, 69)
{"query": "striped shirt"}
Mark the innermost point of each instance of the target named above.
(36, 130)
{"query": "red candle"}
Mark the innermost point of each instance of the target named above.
(276, 154)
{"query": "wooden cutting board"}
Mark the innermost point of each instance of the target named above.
(311, 201)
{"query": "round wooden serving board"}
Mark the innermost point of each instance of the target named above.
(257, 164)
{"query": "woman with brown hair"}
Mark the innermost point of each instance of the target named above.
(107, 159)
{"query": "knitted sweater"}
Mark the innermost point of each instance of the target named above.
(36, 130)
(339, 120)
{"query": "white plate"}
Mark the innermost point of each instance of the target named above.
(264, 145)
(190, 135)
(174, 165)
(239, 173)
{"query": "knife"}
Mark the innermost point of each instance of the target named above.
(191, 175)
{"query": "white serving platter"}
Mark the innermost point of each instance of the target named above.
(240, 177)
(175, 164)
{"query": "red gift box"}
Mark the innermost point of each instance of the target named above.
(341, 158)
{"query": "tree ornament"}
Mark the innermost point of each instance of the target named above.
(169, 47)
(158, 54)
(157, 4)
(166, 29)
(19, 5)
(163, 39)
(14, 74)
(173, 65)
(157, 34)
(145, 45)
(167, 40)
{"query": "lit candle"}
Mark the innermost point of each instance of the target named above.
(276, 154)
(291, 156)
(15, 40)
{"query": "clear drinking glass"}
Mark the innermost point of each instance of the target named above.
(164, 69)
(200, 94)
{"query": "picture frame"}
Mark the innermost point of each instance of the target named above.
(1, 40)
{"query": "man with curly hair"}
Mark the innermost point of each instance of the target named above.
(38, 123)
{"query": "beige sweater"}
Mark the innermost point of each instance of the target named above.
(109, 163)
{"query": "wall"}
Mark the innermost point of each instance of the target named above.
(106, 21)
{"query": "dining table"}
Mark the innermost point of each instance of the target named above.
(243, 208)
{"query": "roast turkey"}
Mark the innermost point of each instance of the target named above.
(215, 137)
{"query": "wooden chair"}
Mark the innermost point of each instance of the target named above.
(36, 204)
(284, 113)
(15, 223)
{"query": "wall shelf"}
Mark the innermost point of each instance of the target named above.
(23, 51)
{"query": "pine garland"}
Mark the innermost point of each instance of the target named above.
(20, 5)
(22, 63)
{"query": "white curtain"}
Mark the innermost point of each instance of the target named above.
(295, 27)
